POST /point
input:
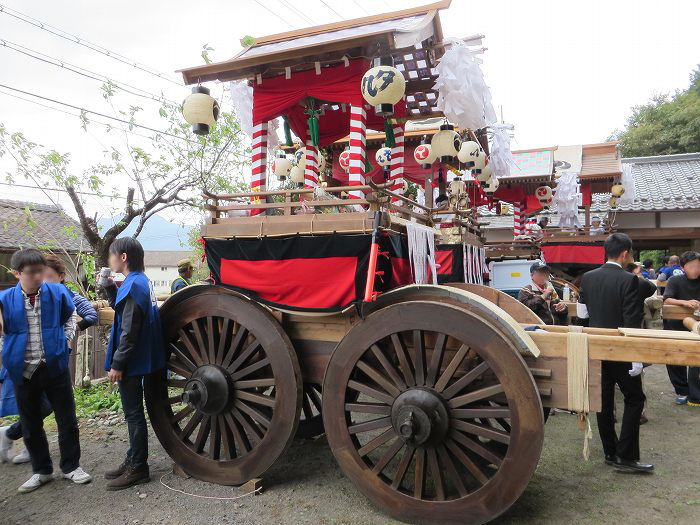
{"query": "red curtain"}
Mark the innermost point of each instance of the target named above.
(574, 253)
(279, 96)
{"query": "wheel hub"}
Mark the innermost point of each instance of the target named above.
(419, 417)
(207, 390)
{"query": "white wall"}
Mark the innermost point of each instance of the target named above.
(161, 278)
(635, 220)
(680, 219)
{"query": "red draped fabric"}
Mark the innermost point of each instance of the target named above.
(279, 96)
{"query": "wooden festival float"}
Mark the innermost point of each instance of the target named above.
(432, 397)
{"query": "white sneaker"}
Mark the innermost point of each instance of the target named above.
(78, 476)
(22, 457)
(5, 445)
(36, 481)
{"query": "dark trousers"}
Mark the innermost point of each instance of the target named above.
(685, 381)
(131, 392)
(15, 431)
(59, 392)
(626, 446)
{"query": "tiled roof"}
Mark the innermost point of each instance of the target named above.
(28, 224)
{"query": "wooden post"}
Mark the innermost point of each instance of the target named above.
(587, 218)
(428, 188)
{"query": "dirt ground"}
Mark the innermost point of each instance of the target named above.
(306, 485)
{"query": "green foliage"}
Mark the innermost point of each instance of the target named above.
(248, 41)
(665, 125)
(654, 255)
(90, 400)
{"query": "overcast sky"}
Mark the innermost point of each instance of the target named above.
(564, 72)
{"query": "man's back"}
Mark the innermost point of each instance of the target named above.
(611, 297)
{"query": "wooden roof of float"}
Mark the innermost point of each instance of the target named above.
(412, 36)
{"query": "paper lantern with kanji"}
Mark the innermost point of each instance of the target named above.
(543, 193)
(300, 158)
(383, 157)
(446, 143)
(483, 175)
(200, 110)
(344, 159)
(281, 167)
(491, 185)
(383, 86)
(321, 161)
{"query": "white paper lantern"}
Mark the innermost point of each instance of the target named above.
(543, 193)
(484, 174)
(297, 174)
(300, 158)
(281, 167)
(321, 161)
(383, 157)
(457, 186)
(491, 185)
(383, 85)
(200, 110)
(344, 159)
(467, 149)
(446, 143)
(617, 190)
(423, 153)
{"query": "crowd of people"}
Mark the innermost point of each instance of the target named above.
(37, 323)
(613, 296)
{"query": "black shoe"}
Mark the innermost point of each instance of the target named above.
(643, 419)
(632, 466)
(118, 471)
(609, 459)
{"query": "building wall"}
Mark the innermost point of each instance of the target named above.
(626, 220)
(680, 219)
(161, 277)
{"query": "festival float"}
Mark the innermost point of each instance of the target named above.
(326, 314)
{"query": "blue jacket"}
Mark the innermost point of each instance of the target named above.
(149, 355)
(56, 309)
(672, 270)
(84, 309)
(8, 404)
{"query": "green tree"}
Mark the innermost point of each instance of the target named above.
(167, 170)
(667, 124)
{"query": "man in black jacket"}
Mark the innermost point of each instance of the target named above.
(610, 297)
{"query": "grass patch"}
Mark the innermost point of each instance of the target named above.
(93, 399)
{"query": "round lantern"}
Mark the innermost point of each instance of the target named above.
(468, 151)
(547, 203)
(383, 157)
(200, 110)
(321, 162)
(344, 159)
(281, 166)
(297, 175)
(457, 186)
(483, 174)
(617, 190)
(446, 143)
(300, 158)
(423, 153)
(612, 202)
(491, 185)
(543, 193)
(383, 86)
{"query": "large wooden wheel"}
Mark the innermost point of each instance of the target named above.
(230, 401)
(448, 425)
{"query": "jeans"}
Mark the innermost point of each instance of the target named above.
(686, 381)
(131, 392)
(59, 392)
(15, 431)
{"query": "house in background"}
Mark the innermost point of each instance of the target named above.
(161, 267)
(43, 226)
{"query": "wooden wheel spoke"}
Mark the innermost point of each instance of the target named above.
(452, 471)
(366, 426)
(477, 447)
(482, 431)
(465, 380)
(224, 334)
(436, 474)
(199, 337)
(315, 397)
(229, 448)
(255, 414)
(179, 368)
(254, 383)
(243, 445)
(306, 406)
(176, 383)
(202, 435)
(235, 345)
(419, 474)
(250, 369)
(250, 428)
(215, 439)
(388, 367)
(436, 359)
(371, 392)
(403, 359)
(368, 408)
(476, 395)
(244, 355)
(468, 463)
(191, 425)
(182, 358)
(194, 354)
(403, 466)
(182, 414)
(451, 368)
(173, 400)
(480, 412)
(376, 442)
(258, 399)
(419, 356)
(378, 378)
(388, 456)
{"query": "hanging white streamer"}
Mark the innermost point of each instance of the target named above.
(421, 251)
(566, 197)
(242, 100)
(627, 181)
(500, 158)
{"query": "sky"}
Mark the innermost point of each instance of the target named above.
(563, 72)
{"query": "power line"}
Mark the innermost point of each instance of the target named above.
(299, 12)
(82, 42)
(96, 113)
(81, 71)
(360, 6)
(336, 12)
(14, 185)
(273, 13)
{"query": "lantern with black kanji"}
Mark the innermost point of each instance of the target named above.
(200, 110)
(491, 185)
(383, 86)
(281, 166)
(446, 143)
(471, 154)
(483, 174)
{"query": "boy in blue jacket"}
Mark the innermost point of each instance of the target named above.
(135, 350)
(35, 316)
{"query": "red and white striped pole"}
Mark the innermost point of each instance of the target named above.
(397, 161)
(518, 216)
(358, 132)
(259, 161)
(311, 170)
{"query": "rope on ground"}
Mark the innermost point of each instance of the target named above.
(207, 497)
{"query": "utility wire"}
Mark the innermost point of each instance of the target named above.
(95, 113)
(300, 13)
(14, 185)
(336, 12)
(360, 6)
(274, 13)
(82, 42)
(81, 71)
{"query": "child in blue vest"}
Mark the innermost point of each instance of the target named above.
(135, 350)
(35, 318)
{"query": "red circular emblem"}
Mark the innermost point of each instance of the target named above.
(344, 160)
(422, 152)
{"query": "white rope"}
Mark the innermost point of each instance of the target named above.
(577, 382)
(207, 497)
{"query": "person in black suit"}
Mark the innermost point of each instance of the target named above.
(610, 298)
